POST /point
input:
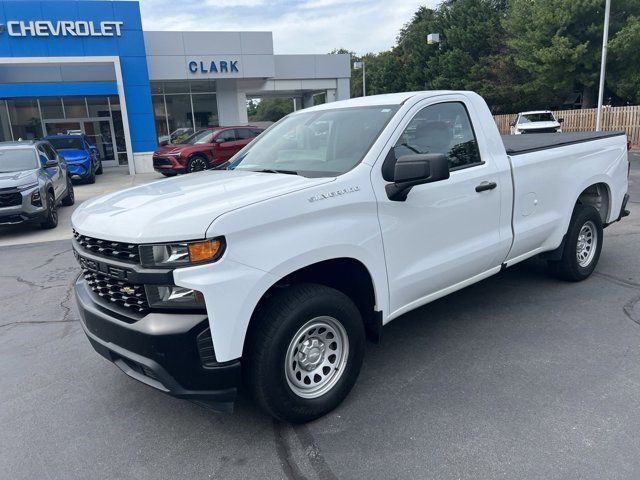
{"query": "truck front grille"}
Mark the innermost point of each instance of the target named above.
(126, 252)
(10, 199)
(117, 291)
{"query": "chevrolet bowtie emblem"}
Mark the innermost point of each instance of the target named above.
(128, 290)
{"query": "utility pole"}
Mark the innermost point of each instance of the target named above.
(603, 63)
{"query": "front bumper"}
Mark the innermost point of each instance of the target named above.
(167, 164)
(160, 350)
(23, 212)
(79, 169)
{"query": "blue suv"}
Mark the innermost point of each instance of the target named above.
(81, 157)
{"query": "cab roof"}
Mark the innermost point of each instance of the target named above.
(384, 99)
(20, 144)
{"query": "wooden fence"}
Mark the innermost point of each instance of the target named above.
(613, 118)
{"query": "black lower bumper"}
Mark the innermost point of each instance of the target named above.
(159, 350)
(22, 217)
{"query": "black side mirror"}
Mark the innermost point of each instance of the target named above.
(512, 124)
(561, 120)
(412, 170)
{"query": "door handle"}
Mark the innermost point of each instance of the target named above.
(486, 186)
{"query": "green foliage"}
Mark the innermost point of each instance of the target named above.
(269, 109)
(518, 54)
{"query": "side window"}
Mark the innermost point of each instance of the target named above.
(49, 151)
(442, 128)
(226, 136)
(244, 134)
(42, 156)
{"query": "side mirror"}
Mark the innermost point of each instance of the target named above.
(512, 124)
(219, 140)
(51, 163)
(412, 170)
(561, 120)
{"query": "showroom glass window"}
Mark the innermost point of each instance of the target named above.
(25, 119)
(442, 128)
(182, 107)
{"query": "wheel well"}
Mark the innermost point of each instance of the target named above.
(346, 275)
(597, 195)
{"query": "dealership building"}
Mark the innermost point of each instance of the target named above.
(83, 65)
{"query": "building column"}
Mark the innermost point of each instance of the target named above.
(307, 100)
(232, 103)
(297, 104)
(331, 95)
(343, 90)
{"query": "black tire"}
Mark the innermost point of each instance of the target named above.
(51, 215)
(168, 174)
(585, 220)
(70, 198)
(99, 170)
(91, 178)
(273, 330)
(197, 163)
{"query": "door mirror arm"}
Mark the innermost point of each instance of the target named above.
(412, 170)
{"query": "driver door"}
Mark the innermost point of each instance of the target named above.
(445, 232)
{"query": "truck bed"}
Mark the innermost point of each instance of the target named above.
(527, 143)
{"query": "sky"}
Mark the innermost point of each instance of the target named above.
(304, 26)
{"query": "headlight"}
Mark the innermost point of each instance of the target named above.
(172, 296)
(22, 188)
(36, 200)
(176, 155)
(182, 254)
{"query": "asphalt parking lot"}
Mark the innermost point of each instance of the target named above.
(519, 376)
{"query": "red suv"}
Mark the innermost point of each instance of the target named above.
(204, 149)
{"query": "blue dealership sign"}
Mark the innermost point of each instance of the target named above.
(82, 28)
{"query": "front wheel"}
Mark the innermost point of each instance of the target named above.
(304, 352)
(582, 247)
(196, 164)
(51, 215)
(70, 197)
(91, 178)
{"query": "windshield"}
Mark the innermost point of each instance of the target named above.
(316, 144)
(536, 117)
(17, 160)
(68, 143)
(202, 136)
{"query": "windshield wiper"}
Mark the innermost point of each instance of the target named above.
(273, 170)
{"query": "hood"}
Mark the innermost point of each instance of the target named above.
(535, 125)
(169, 149)
(180, 208)
(74, 155)
(18, 179)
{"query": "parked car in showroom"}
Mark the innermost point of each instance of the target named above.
(204, 149)
(538, 121)
(273, 272)
(81, 157)
(34, 180)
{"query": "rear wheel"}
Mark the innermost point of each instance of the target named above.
(582, 247)
(196, 164)
(51, 215)
(91, 178)
(304, 352)
(99, 170)
(168, 174)
(70, 197)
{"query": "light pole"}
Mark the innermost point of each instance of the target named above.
(603, 63)
(358, 66)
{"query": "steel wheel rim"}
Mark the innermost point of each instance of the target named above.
(316, 357)
(587, 244)
(197, 165)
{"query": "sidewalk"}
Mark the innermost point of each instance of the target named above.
(113, 179)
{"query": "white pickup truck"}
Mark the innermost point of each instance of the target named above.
(335, 221)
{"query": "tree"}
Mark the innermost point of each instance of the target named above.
(269, 109)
